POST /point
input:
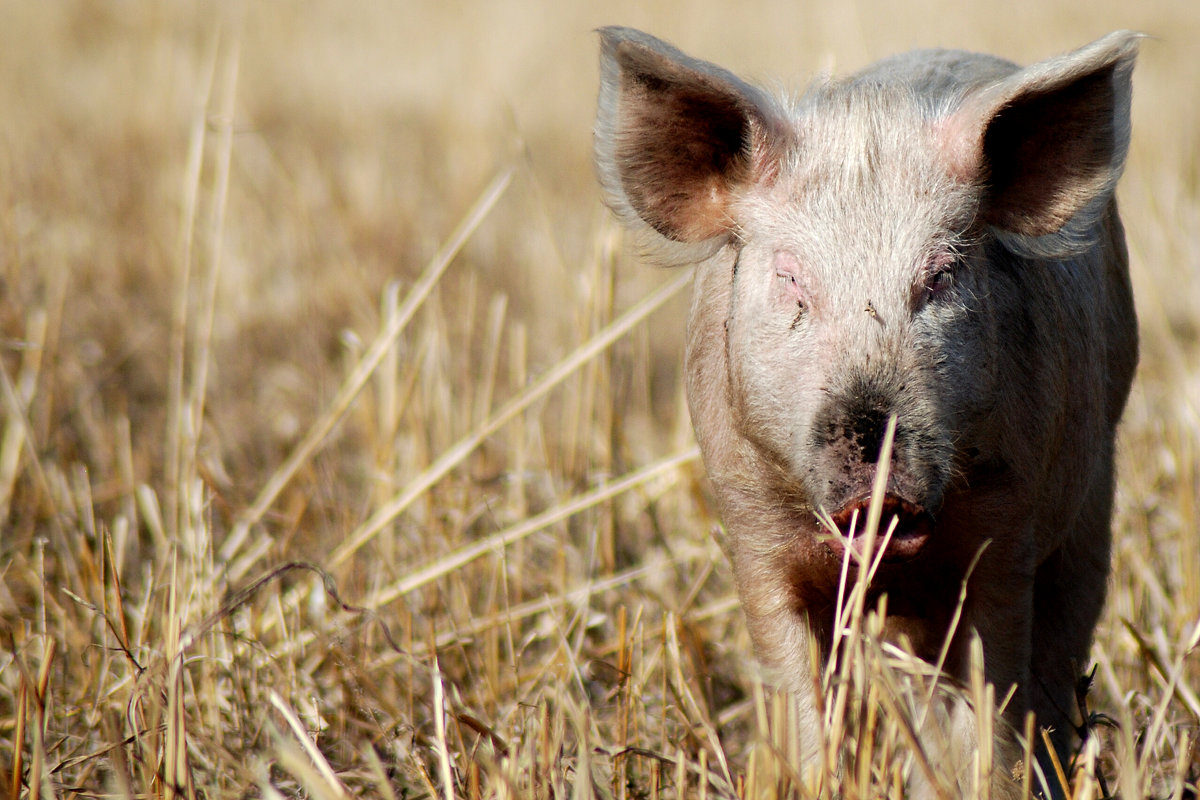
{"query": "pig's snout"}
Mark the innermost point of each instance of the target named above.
(847, 445)
(913, 527)
(865, 424)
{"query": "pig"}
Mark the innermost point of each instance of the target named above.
(933, 239)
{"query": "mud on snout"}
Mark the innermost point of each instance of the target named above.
(848, 445)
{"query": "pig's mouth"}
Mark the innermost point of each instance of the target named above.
(913, 527)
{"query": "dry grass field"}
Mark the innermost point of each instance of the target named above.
(342, 443)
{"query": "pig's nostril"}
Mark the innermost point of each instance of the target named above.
(868, 428)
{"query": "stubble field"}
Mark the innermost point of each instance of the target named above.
(343, 449)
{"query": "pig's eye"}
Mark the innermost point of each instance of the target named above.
(790, 293)
(940, 281)
(789, 285)
(789, 289)
(940, 276)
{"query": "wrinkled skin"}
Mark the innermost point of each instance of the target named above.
(935, 239)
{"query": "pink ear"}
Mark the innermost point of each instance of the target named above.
(678, 138)
(1048, 141)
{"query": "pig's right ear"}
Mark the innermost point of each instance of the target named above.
(678, 139)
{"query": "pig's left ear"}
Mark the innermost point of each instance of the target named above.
(677, 139)
(1048, 144)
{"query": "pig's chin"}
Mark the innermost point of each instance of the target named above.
(914, 526)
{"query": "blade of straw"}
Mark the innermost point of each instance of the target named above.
(508, 536)
(317, 434)
(465, 446)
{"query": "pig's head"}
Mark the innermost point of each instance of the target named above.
(873, 226)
